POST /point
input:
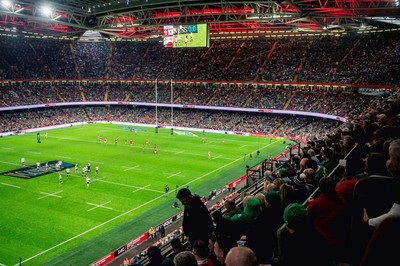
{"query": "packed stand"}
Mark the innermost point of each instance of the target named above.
(367, 59)
(91, 58)
(291, 223)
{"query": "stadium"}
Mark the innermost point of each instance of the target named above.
(110, 111)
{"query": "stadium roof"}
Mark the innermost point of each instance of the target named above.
(144, 18)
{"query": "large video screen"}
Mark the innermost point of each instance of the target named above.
(185, 36)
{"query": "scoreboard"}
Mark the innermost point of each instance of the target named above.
(186, 36)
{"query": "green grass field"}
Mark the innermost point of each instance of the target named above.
(198, 39)
(47, 223)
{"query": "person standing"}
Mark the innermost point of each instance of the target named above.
(76, 169)
(152, 233)
(60, 178)
(68, 172)
(97, 169)
(87, 182)
(84, 171)
(166, 189)
(23, 161)
(197, 222)
(155, 150)
(162, 231)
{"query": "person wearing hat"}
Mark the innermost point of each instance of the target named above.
(304, 183)
(281, 172)
(241, 222)
(261, 237)
(299, 242)
(251, 211)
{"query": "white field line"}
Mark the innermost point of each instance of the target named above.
(122, 214)
(216, 157)
(179, 152)
(2, 264)
(34, 152)
(16, 164)
(99, 206)
(99, 179)
(241, 147)
(7, 148)
(136, 167)
(136, 190)
(10, 185)
(90, 230)
(125, 185)
(234, 161)
(65, 157)
(177, 174)
(50, 194)
(97, 162)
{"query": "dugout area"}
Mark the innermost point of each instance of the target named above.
(33, 171)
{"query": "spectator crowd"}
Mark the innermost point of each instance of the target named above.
(307, 212)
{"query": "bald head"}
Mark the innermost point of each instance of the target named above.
(239, 256)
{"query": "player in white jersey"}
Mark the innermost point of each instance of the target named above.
(84, 171)
(87, 182)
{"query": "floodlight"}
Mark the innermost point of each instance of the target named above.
(46, 10)
(6, 3)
